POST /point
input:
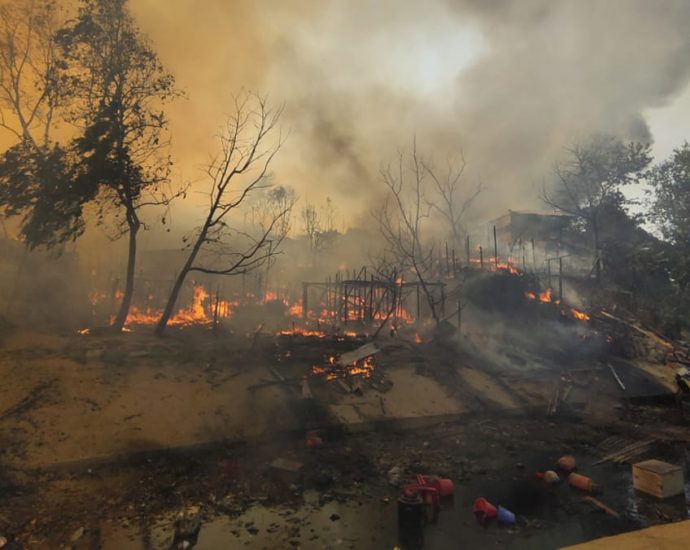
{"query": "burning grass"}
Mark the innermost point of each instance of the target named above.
(546, 297)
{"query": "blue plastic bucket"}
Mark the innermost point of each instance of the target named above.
(505, 516)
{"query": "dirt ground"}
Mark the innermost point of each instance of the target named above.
(107, 439)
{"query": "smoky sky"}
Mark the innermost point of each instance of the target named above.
(510, 83)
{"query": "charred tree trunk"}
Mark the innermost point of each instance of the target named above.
(123, 312)
(177, 287)
(597, 258)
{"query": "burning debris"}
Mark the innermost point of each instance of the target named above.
(547, 298)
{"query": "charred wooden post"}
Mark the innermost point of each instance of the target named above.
(443, 301)
(305, 299)
(548, 272)
(419, 304)
(481, 257)
(560, 279)
(447, 261)
(467, 250)
(216, 310)
(371, 301)
(495, 249)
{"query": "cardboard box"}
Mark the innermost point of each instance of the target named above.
(658, 478)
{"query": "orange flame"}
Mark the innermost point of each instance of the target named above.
(579, 315)
(363, 368)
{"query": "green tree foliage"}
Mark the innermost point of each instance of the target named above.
(670, 211)
(42, 186)
(37, 175)
(119, 88)
(588, 183)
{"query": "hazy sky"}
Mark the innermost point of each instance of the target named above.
(511, 83)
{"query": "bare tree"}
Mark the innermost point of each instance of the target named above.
(265, 208)
(247, 147)
(401, 220)
(451, 198)
(311, 224)
(29, 91)
(328, 216)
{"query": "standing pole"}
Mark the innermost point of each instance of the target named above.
(216, 309)
(305, 299)
(419, 304)
(481, 257)
(548, 271)
(560, 279)
(495, 249)
(447, 261)
(467, 250)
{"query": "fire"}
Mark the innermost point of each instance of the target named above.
(580, 315)
(332, 371)
(489, 263)
(417, 339)
(547, 298)
(296, 310)
(200, 311)
(303, 332)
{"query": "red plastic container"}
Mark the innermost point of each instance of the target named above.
(444, 486)
(484, 509)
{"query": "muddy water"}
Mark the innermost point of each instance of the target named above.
(548, 517)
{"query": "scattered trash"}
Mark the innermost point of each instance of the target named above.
(657, 478)
(584, 483)
(431, 489)
(394, 475)
(79, 533)
(484, 510)
(616, 377)
(411, 519)
(505, 516)
(312, 439)
(443, 486)
(289, 471)
(601, 505)
(566, 463)
(187, 526)
(551, 477)
(625, 449)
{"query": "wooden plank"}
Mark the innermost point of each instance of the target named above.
(616, 377)
(623, 451)
(360, 353)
